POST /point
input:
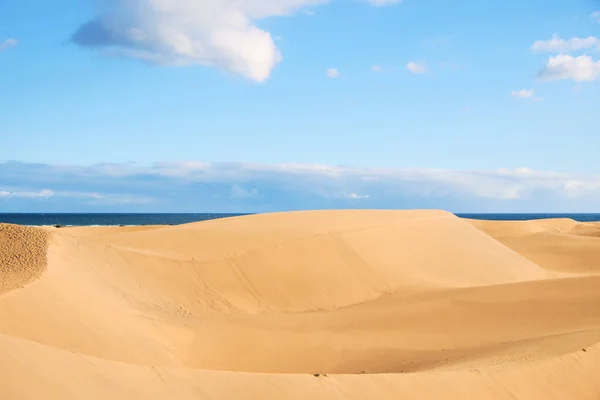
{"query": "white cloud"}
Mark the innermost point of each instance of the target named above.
(215, 33)
(355, 196)
(503, 184)
(579, 69)
(8, 43)
(416, 67)
(213, 187)
(559, 45)
(525, 94)
(45, 193)
(100, 198)
(333, 73)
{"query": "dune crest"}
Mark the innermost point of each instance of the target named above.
(323, 304)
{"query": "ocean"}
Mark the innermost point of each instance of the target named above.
(178, 219)
(524, 217)
(107, 219)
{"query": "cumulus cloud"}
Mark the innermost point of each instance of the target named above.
(333, 73)
(559, 45)
(416, 67)
(8, 43)
(216, 33)
(241, 187)
(563, 66)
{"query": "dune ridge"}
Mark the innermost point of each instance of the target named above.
(322, 304)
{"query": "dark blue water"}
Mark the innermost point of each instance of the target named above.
(178, 219)
(522, 217)
(107, 219)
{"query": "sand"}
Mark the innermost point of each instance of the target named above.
(319, 305)
(22, 255)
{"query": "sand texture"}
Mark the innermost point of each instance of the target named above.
(305, 305)
(22, 255)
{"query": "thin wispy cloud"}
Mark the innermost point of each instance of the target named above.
(442, 40)
(45, 193)
(525, 94)
(98, 198)
(8, 43)
(216, 33)
(453, 65)
(416, 67)
(382, 3)
(355, 196)
(333, 73)
(241, 187)
(382, 69)
(558, 45)
(240, 192)
(596, 16)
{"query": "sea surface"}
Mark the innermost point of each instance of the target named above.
(107, 219)
(524, 217)
(178, 219)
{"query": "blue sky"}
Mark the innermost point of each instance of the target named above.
(258, 105)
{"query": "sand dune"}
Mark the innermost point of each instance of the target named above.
(555, 244)
(379, 304)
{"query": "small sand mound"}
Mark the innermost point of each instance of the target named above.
(22, 255)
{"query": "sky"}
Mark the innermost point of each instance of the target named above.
(263, 105)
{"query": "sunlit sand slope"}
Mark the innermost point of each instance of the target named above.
(379, 304)
(557, 244)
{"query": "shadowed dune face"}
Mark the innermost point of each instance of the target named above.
(346, 292)
(22, 255)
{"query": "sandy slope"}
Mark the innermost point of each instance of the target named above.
(556, 244)
(382, 304)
